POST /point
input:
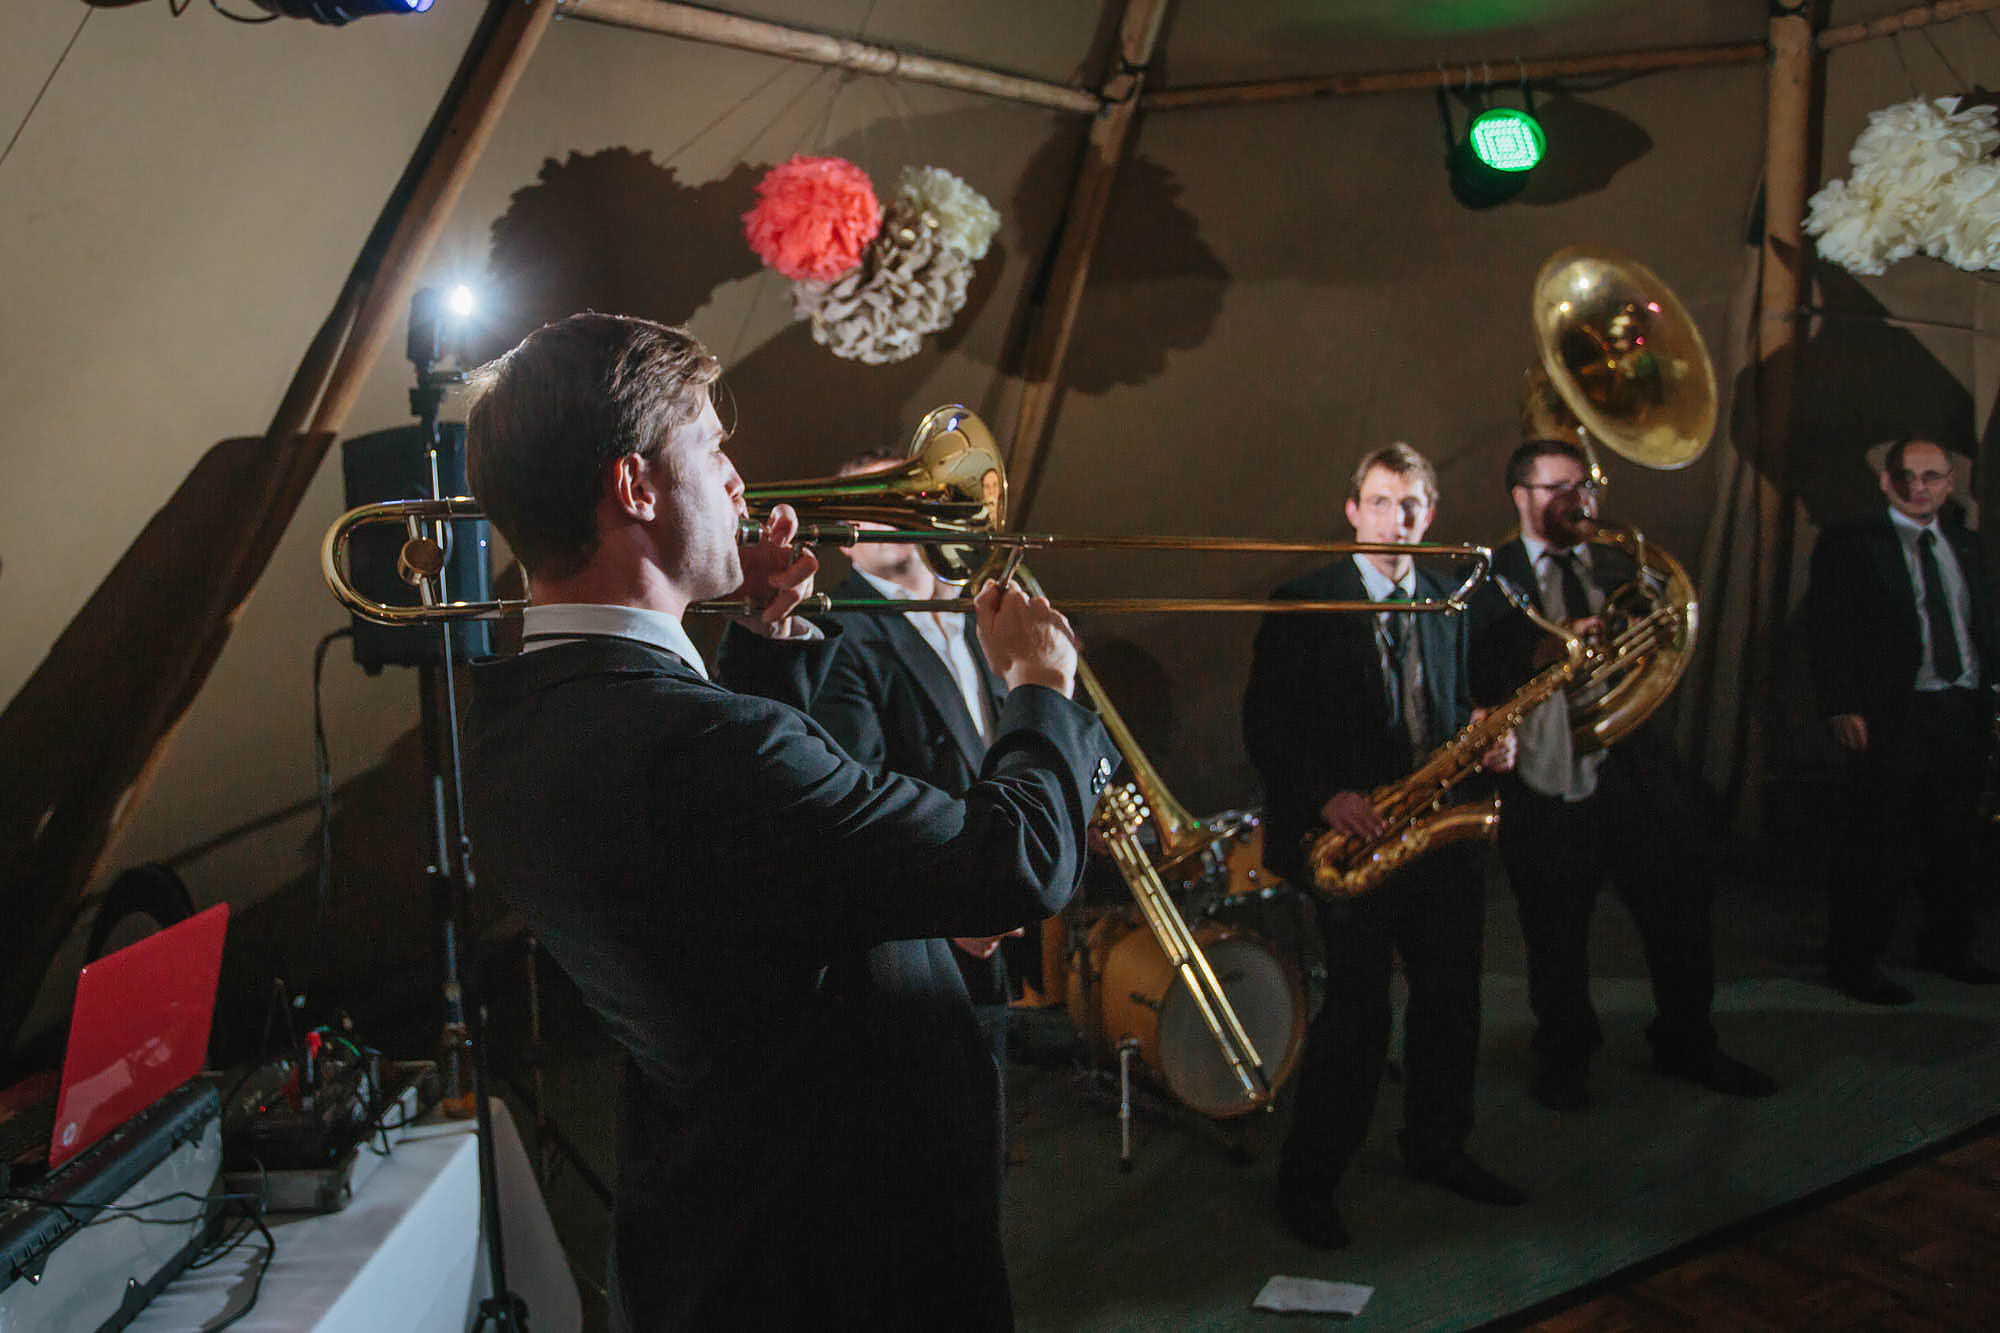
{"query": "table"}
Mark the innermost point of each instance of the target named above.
(406, 1253)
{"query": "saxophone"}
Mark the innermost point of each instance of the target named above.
(1344, 866)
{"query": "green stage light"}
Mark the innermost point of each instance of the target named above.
(1506, 140)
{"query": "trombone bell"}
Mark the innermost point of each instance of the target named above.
(953, 480)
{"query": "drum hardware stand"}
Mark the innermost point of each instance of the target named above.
(451, 877)
(1127, 1049)
(1133, 1098)
(1134, 1101)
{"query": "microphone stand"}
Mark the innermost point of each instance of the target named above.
(452, 877)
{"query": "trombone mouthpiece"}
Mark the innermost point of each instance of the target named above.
(749, 531)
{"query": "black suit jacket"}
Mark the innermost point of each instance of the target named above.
(696, 859)
(1862, 619)
(1503, 640)
(1316, 711)
(890, 701)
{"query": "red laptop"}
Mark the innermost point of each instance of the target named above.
(138, 1031)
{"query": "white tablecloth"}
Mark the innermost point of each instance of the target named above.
(406, 1253)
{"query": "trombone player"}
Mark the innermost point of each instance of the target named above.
(1569, 820)
(1337, 706)
(697, 858)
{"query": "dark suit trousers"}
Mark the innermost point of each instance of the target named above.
(1909, 816)
(1433, 915)
(1558, 854)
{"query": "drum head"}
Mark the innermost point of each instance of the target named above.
(1268, 1000)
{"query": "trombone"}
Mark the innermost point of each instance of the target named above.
(949, 497)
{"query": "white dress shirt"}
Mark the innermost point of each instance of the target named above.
(944, 631)
(1956, 597)
(1547, 759)
(566, 622)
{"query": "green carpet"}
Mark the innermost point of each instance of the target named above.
(1186, 1239)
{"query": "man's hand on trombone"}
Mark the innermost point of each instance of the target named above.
(1026, 641)
(777, 577)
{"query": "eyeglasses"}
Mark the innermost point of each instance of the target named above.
(1587, 486)
(1910, 478)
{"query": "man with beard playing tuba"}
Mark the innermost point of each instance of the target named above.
(1570, 818)
(1337, 706)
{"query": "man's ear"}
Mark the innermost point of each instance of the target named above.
(632, 488)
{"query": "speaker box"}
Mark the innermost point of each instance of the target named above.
(395, 465)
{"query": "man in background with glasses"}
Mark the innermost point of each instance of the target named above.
(1569, 821)
(1902, 636)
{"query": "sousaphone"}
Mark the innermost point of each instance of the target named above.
(1622, 364)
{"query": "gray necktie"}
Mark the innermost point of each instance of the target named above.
(1406, 657)
(1567, 588)
(1937, 612)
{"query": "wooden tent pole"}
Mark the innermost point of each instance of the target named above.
(1921, 16)
(1502, 72)
(1514, 70)
(819, 48)
(85, 734)
(1788, 138)
(1082, 223)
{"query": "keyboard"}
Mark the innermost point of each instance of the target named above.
(25, 1134)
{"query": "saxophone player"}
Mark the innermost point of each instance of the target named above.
(1571, 820)
(1336, 706)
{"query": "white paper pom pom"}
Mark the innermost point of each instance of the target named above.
(1965, 228)
(1923, 180)
(965, 220)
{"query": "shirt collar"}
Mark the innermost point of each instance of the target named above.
(1380, 585)
(894, 592)
(543, 626)
(1908, 524)
(1535, 547)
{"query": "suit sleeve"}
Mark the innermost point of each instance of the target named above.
(1294, 706)
(1501, 647)
(1272, 724)
(851, 703)
(1833, 590)
(846, 859)
(792, 671)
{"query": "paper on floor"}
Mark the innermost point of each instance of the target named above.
(1308, 1295)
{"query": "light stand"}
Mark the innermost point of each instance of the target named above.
(450, 871)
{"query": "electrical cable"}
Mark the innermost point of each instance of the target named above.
(1958, 80)
(323, 784)
(41, 92)
(216, 5)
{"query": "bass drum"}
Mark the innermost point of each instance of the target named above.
(1125, 987)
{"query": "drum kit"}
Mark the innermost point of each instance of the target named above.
(1129, 1003)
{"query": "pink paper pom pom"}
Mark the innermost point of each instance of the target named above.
(814, 216)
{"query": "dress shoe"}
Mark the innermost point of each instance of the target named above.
(1869, 987)
(1718, 1073)
(1562, 1087)
(1469, 1180)
(1959, 967)
(1311, 1215)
